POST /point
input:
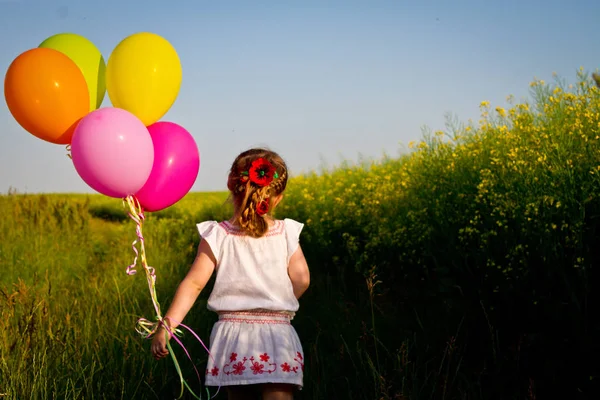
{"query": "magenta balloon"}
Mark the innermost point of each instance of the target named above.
(176, 166)
(112, 152)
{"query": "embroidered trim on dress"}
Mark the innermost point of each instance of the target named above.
(255, 317)
(256, 321)
(257, 313)
(276, 229)
(258, 366)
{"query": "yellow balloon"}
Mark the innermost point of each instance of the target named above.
(143, 76)
(87, 57)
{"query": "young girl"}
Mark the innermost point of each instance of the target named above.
(261, 273)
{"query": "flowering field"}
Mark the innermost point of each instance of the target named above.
(466, 269)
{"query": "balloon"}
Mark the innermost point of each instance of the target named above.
(176, 166)
(143, 76)
(112, 152)
(46, 93)
(87, 57)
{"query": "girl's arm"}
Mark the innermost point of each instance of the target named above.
(298, 272)
(185, 296)
(191, 286)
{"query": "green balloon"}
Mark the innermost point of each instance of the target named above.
(89, 60)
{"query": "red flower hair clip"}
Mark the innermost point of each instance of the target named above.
(261, 172)
(263, 207)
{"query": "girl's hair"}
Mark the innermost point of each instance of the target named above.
(247, 195)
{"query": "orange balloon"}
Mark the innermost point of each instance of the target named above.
(47, 94)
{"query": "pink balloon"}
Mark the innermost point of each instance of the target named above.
(112, 152)
(176, 166)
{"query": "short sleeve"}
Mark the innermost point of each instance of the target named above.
(292, 234)
(210, 231)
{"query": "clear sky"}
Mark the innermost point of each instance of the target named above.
(311, 79)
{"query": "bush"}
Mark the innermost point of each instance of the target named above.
(484, 239)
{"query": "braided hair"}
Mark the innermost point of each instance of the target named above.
(252, 201)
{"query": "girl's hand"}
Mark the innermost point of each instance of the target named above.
(159, 344)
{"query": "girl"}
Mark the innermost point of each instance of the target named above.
(261, 273)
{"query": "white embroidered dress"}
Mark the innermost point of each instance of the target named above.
(253, 341)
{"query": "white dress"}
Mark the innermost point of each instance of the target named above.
(253, 341)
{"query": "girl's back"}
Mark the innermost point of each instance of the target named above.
(252, 273)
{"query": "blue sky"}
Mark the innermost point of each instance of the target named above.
(312, 80)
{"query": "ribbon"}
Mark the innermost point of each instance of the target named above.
(68, 147)
(145, 327)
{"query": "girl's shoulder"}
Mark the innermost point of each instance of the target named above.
(288, 226)
(278, 227)
(292, 224)
(209, 228)
(208, 225)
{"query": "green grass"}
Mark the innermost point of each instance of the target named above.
(67, 306)
(466, 269)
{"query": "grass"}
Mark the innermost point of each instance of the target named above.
(466, 269)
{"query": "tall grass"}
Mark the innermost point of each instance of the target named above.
(466, 269)
(67, 308)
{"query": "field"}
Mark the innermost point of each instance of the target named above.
(466, 269)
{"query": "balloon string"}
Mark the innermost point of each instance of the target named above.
(68, 147)
(143, 326)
